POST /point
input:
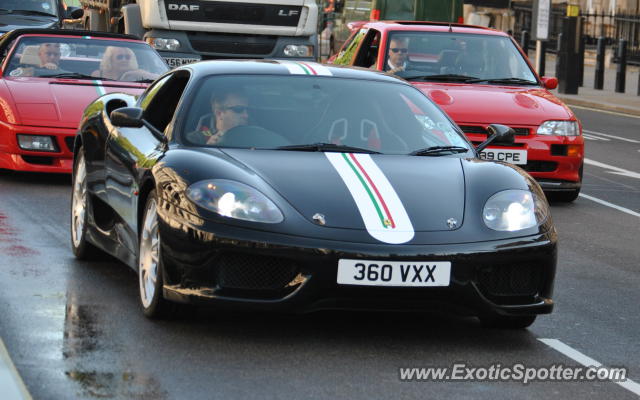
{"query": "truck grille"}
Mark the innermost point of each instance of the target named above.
(233, 13)
(232, 44)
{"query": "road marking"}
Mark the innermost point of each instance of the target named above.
(587, 362)
(592, 137)
(605, 111)
(614, 170)
(591, 133)
(606, 203)
(13, 387)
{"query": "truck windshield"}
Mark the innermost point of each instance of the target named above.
(459, 57)
(49, 56)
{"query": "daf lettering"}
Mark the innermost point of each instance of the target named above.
(183, 7)
(289, 13)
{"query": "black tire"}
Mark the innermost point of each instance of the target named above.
(82, 249)
(507, 322)
(153, 303)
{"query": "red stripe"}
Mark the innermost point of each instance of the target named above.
(384, 205)
(310, 67)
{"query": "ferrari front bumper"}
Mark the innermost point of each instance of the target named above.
(295, 274)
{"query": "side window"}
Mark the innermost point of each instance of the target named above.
(348, 52)
(161, 100)
(368, 53)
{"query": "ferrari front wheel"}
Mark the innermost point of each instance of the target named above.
(154, 305)
(82, 249)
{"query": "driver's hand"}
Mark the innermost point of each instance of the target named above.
(50, 66)
(215, 138)
(396, 69)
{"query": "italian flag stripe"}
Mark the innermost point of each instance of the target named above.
(306, 68)
(374, 197)
(366, 187)
(309, 67)
(388, 221)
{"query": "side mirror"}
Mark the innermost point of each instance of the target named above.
(501, 134)
(127, 117)
(75, 12)
(550, 82)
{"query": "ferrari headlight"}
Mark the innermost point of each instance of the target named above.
(559, 128)
(514, 210)
(234, 200)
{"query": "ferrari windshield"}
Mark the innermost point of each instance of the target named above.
(36, 7)
(84, 58)
(317, 114)
(458, 57)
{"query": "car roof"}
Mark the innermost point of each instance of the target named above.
(429, 26)
(10, 36)
(287, 68)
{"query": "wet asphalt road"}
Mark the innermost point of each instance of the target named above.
(74, 329)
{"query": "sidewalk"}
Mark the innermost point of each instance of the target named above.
(606, 99)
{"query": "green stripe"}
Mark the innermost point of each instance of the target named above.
(98, 87)
(366, 187)
(305, 69)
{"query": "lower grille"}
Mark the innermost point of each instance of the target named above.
(39, 160)
(252, 272)
(510, 280)
(540, 166)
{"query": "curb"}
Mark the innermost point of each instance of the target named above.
(13, 387)
(599, 106)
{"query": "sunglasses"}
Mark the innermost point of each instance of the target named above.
(123, 56)
(238, 109)
(52, 53)
(398, 49)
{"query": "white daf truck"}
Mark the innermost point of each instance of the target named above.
(185, 31)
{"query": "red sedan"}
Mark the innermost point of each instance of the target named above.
(480, 76)
(47, 79)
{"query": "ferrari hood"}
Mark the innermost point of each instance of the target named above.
(379, 193)
(60, 102)
(487, 104)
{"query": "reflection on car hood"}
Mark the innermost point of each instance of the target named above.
(9, 22)
(58, 102)
(430, 189)
(486, 104)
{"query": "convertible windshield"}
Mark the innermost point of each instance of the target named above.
(84, 58)
(463, 58)
(293, 113)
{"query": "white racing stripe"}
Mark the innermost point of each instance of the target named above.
(587, 362)
(382, 212)
(306, 68)
(606, 203)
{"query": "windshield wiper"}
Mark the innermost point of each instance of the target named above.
(144, 80)
(443, 77)
(32, 12)
(438, 150)
(515, 81)
(327, 147)
(75, 75)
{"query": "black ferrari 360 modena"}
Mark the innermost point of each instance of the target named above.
(293, 186)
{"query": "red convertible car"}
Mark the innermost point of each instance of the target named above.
(48, 77)
(480, 76)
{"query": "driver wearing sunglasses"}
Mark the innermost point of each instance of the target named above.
(229, 109)
(116, 63)
(398, 55)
